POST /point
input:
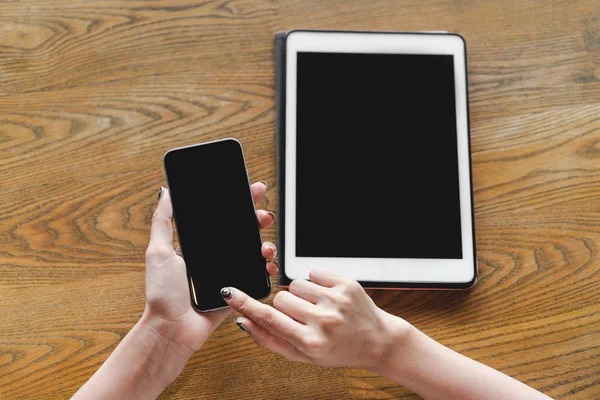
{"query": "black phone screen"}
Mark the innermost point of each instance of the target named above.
(216, 222)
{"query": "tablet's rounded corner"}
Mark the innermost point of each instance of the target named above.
(289, 33)
(285, 279)
(469, 285)
(294, 32)
(460, 37)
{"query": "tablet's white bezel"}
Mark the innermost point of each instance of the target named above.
(428, 271)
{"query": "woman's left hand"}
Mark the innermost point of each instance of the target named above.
(167, 293)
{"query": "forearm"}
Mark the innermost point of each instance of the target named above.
(141, 367)
(436, 372)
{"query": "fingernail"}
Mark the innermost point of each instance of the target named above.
(240, 325)
(275, 262)
(274, 248)
(226, 292)
(161, 191)
(272, 215)
(264, 183)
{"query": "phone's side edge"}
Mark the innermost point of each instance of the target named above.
(268, 279)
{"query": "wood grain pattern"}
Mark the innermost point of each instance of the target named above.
(93, 92)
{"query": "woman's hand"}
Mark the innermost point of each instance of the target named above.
(167, 292)
(331, 321)
(156, 349)
(328, 321)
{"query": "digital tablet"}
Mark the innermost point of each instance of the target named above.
(374, 168)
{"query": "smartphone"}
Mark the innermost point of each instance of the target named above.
(216, 222)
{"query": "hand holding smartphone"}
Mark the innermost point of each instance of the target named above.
(216, 222)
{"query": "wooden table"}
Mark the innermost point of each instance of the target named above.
(93, 92)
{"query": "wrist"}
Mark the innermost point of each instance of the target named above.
(162, 356)
(166, 336)
(396, 340)
(145, 362)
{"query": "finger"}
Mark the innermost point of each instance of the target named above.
(258, 190)
(295, 307)
(263, 315)
(270, 341)
(306, 290)
(269, 250)
(272, 268)
(161, 234)
(265, 218)
(325, 278)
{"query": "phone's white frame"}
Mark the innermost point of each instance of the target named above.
(428, 271)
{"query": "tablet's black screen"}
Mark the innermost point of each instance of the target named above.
(377, 164)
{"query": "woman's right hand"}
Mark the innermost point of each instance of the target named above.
(331, 321)
(328, 321)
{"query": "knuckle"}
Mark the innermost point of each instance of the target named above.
(313, 345)
(278, 300)
(158, 252)
(339, 298)
(160, 221)
(331, 295)
(264, 317)
(344, 302)
(312, 342)
(354, 287)
(351, 288)
(241, 305)
(293, 286)
(156, 217)
(345, 284)
(331, 320)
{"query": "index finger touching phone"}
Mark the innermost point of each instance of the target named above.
(267, 317)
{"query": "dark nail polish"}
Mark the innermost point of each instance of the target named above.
(264, 183)
(226, 293)
(241, 326)
(161, 191)
(272, 215)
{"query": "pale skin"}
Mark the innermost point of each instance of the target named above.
(157, 348)
(331, 321)
(328, 321)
